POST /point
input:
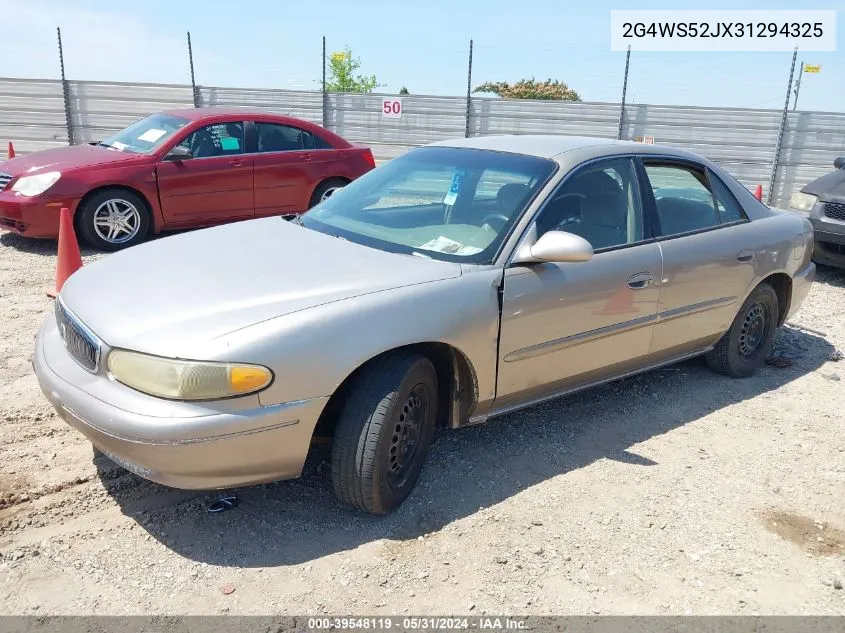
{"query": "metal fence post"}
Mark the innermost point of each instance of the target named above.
(325, 94)
(65, 89)
(624, 90)
(798, 87)
(193, 81)
(469, 90)
(785, 113)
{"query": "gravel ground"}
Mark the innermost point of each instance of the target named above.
(673, 492)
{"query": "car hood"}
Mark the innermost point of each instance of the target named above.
(829, 188)
(170, 295)
(66, 159)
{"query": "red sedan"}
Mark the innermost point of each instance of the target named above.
(178, 169)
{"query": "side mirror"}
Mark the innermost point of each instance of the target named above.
(178, 153)
(839, 163)
(555, 246)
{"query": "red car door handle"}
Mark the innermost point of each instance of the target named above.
(306, 157)
(236, 162)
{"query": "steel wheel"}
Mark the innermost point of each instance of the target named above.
(753, 330)
(117, 221)
(410, 419)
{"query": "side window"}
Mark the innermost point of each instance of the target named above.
(600, 202)
(684, 203)
(219, 139)
(273, 137)
(320, 142)
(729, 209)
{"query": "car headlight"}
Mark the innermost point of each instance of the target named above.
(802, 201)
(186, 379)
(33, 185)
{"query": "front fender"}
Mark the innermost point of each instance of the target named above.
(314, 350)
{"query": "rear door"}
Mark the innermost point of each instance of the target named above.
(710, 253)
(215, 185)
(289, 164)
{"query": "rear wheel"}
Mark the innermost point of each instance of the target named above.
(384, 432)
(325, 190)
(744, 348)
(113, 219)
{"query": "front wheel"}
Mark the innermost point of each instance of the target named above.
(384, 432)
(113, 219)
(744, 348)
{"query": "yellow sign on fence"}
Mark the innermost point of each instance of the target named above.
(810, 68)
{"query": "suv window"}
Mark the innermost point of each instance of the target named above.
(684, 203)
(219, 139)
(729, 209)
(274, 137)
(600, 202)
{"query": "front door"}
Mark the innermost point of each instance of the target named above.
(566, 325)
(215, 185)
(289, 164)
(710, 253)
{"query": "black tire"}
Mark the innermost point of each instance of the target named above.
(126, 202)
(384, 431)
(329, 186)
(744, 348)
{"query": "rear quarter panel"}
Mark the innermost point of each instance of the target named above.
(786, 239)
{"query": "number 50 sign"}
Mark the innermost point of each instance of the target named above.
(391, 107)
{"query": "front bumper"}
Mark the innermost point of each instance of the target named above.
(829, 235)
(194, 446)
(32, 217)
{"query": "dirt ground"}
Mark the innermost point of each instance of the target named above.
(674, 492)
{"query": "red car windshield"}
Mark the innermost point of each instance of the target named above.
(146, 135)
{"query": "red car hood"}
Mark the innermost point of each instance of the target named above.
(67, 158)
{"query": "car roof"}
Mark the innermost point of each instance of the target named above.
(194, 114)
(551, 145)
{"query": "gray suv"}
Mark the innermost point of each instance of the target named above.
(823, 202)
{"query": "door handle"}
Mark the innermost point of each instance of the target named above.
(640, 280)
(745, 256)
(306, 157)
(236, 162)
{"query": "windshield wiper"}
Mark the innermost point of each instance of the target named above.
(109, 146)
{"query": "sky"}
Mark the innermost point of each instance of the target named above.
(420, 44)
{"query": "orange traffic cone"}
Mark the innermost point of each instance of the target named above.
(69, 259)
(759, 193)
(11, 150)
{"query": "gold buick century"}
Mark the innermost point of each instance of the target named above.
(460, 281)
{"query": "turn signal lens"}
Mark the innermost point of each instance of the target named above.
(246, 379)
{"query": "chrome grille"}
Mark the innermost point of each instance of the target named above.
(835, 210)
(4, 180)
(81, 344)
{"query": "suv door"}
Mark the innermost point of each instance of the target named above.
(565, 325)
(710, 252)
(289, 164)
(214, 185)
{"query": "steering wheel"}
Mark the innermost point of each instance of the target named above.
(499, 218)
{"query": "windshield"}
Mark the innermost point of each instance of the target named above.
(452, 204)
(146, 135)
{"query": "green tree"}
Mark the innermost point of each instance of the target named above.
(404, 91)
(531, 89)
(342, 78)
